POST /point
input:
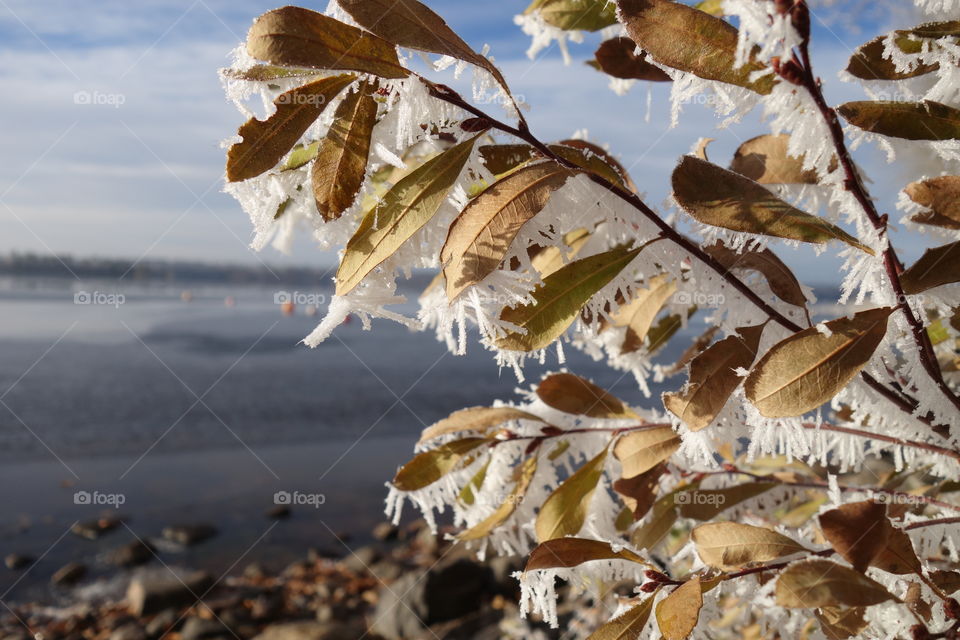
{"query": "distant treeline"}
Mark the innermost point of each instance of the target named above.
(27, 264)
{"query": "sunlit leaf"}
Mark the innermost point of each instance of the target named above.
(265, 142)
(942, 197)
(570, 552)
(870, 63)
(404, 209)
(429, 466)
(641, 450)
(559, 299)
(685, 38)
(627, 625)
(925, 120)
(678, 613)
(729, 545)
(936, 267)
(715, 196)
(298, 37)
(595, 159)
(706, 504)
(642, 309)
(581, 15)
(565, 510)
(809, 368)
(572, 394)
(898, 556)
(713, 378)
(764, 159)
(474, 419)
(822, 583)
(483, 233)
(553, 257)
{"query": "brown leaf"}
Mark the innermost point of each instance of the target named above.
(713, 378)
(565, 510)
(297, 37)
(869, 63)
(690, 40)
(764, 159)
(809, 368)
(474, 419)
(640, 492)
(578, 396)
(570, 552)
(429, 466)
(486, 526)
(821, 583)
(925, 120)
(940, 195)
(706, 504)
(411, 24)
(839, 624)
(265, 142)
(640, 312)
(501, 158)
(716, 196)
(627, 625)
(858, 531)
(936, 267)
(898, 556)
(661, 520)
(341, 163)
(618, 57)
(640, 451)
(948, 581)
(678, 613)
(594, 159)
(696, 348)
(483, 233)
(781, 280)
(730, 545)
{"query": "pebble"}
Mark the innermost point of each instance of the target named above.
(69, 574)
(16, 561)
(189, 534)
(93, 529)
(132, 554)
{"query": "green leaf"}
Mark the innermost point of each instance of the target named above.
(690, 40)
(572, 394)
(483, 233)
(809, 368)
(265, 142)
(560, 297)
(402, 211)
(297, 37)
(583, 15)
(564, 511)
(341, 162)
(722, 198)
(925, 120)
(507, 507)
(936, 267)
(467, 495)
(429, 466)
(301, 155)
(571, 552)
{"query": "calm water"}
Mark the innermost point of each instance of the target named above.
(201, 412)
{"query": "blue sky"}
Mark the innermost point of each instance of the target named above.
(113, 115)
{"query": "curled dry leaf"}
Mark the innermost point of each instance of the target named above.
(341, 162)
(297, 37)
(719, 197)
(627, 625)
(809, 368)
(764, 159)
(640, 312)
(925, 120)
(678, 613)
(640, 492)
(265, 142)
(578, 396)
(869, 61)
(713, 378)
(482, 234)
(564, 511)
(684, 38)
(822, 583)
(779, 277)
(479, 419)
(640, 451)
(941, 196)
(936, 267)
(580, 15)
(411, 24)
(858, 531)
(429, 466)
(486, 526)
(401, 212)
(570, 552)
(618, 57)
(730, 545)
(558, 301)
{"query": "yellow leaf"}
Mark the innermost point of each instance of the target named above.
(628, 625)
(678, 613)
(729, 545)
(641, 450)
(572, 394)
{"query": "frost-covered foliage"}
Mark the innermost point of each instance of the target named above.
(800, 480)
